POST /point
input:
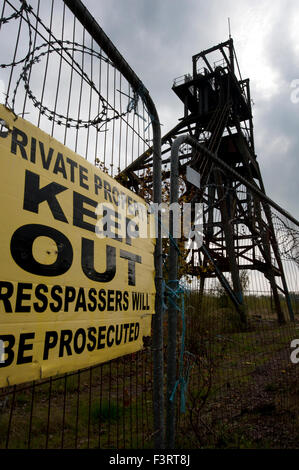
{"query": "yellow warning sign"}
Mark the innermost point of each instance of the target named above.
(77, 263)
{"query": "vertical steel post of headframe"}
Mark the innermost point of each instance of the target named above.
(99, 36)
(172, 309)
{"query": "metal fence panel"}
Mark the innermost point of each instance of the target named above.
(60, 72)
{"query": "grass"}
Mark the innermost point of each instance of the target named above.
(101, 411)
(107, 407)
(243, 377)
(237, 374)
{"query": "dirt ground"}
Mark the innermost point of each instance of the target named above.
(263, 412)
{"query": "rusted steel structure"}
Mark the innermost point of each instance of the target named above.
(237, 225)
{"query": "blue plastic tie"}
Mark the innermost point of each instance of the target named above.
(182, 381)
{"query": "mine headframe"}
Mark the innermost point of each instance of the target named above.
(238, 232)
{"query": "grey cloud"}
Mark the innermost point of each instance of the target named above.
(159, 38)
(277, 118)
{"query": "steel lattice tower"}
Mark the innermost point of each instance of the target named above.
(238, 232)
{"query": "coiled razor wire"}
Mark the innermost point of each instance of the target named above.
(287, 238)
(16, 14)
(34, 56)
(64, 47)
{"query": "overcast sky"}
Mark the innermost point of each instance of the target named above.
(159, 37)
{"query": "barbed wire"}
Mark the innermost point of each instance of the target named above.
(61, 47)
(4, 20)
(287, 239)
(66, 50)
(14, 15)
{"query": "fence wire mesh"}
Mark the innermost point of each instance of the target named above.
(54, 75)
(106, 406)
(243, 382)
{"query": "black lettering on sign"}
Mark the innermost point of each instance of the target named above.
(97, 184)
(79, 341)
(55, 291)
(118, 299)
(126, 300)
(102, 299)
(81, 301)
(126, 326)
(51, 339)
(70, 295)
(110, 300)
(72, 166)
(46, 160)
(110, 340)
(131, 335)
(115, 195)
(25, 347)
(110, 222)
(34, 196)
(65, 340)
(137, 327)
(9, 342)
(101, 336)
(132, 230)
(79, 211)
(21, 250)
(33, 150)
(91, 295)
(118, 334)
(21, 296)
(92, 338)
(40, 288)
(107, 191)
(87, 262)
(132, 259)
(19, 139)
(83, 176)
(60, 165)
(6, 291)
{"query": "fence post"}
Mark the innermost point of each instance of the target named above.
(172, 309)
